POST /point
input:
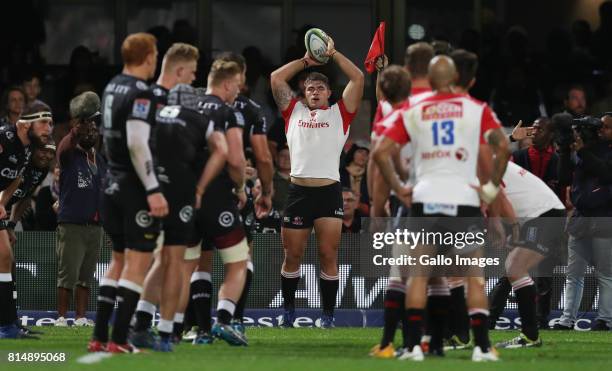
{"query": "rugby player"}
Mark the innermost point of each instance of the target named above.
(254, 138)
(133, 201)
(32, 129)
(218, 224)
(444, 188)
(542, 218)
(316, 133)
(416, 61)
(178, 67)
(394, 85)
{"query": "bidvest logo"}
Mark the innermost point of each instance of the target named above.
(442, 110)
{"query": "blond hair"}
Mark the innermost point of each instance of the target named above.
(180, 52)
(222, 70)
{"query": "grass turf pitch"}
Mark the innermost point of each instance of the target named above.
(316, 349)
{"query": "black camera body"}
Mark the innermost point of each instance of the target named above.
(586, 127)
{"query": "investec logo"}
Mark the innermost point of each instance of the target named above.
(364, 297)
(442, 110)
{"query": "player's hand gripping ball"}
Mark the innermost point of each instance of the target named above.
(317, 45)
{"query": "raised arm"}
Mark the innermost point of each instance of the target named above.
(279, 82)
(353, 92)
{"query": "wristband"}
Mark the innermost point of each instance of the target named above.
(489, 192)
(153, 190)
(11, 224)
(511, 138)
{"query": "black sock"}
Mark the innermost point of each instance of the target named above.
(143, 315)
(480, 328)
(239, 313)
(498, 298)
(7, 309)
(201, 292)
(177, 329)
(190, 317)
(526, 295)
(225, 311)
(459, 321)
(437, 312)
(329, 290)
(414, 322)
(289, 283)
(106, 304)
(393, 312)
(127, 299)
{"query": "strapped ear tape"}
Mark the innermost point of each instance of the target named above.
(36, 116)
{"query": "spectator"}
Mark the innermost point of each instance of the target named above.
(575, 102)
(79, 234)
(31, 85)
(281, 178)
(353, 174)
(13, 103)
(590, 232)
(45, 212)
(540, 157)
(351, 221)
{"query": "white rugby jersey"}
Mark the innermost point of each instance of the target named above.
(316, 138)
(445, 130)
(529, 195)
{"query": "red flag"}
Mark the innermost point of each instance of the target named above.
(377, 48)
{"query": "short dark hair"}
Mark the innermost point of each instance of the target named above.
(347, 189)
(35, 107)
(574, 87)
(395, 83)
(417, 58)
(317, 76)
(466, 64)
(233, 57)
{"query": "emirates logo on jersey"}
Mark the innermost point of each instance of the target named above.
(312, 124)
(442, 110)
(461, 154)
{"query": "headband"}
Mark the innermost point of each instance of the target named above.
(36, 116)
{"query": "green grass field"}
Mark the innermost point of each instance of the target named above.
(315, 349)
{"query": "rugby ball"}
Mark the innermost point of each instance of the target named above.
(316, 44)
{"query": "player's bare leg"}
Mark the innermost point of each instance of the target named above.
(190, 264)
(294, 244)
(518, 263)
(143, 336)
(172, 258)
(137, 264)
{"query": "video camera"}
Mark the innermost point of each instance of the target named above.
(566, 126)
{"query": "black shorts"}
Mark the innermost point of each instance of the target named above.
(218, 223)
(178, 225)
(126, 214)
(467, 219)
(543, 234)
(306, 204)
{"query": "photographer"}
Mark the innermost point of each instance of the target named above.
(79, 234)
(586, 159)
